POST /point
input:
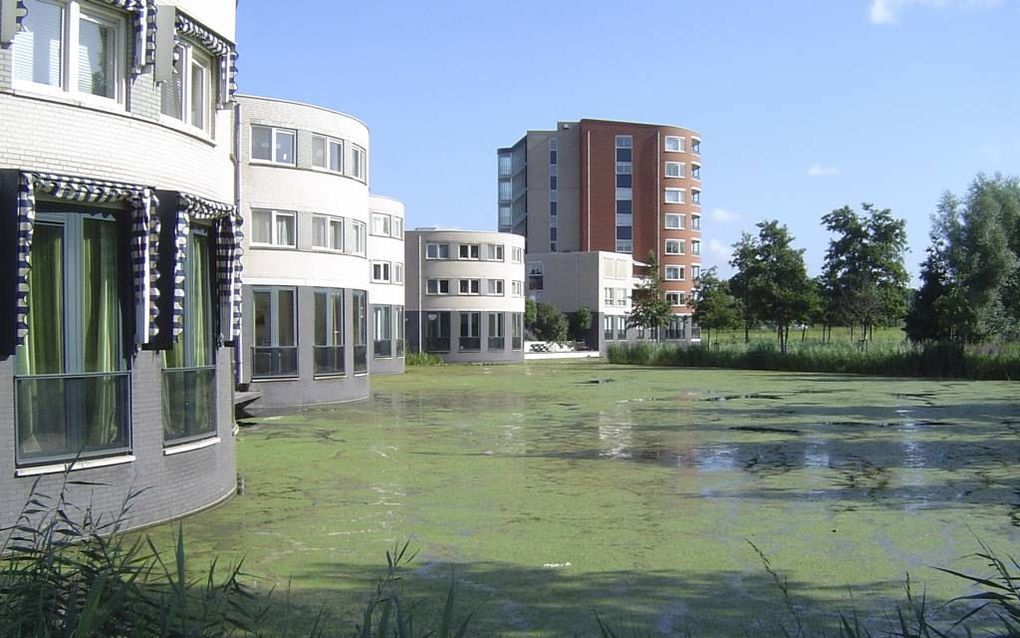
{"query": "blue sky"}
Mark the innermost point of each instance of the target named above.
(803, 105)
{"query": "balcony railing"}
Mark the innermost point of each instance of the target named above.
(275, 362)
(63, 416)
(470, 344)
(189, 403)
(497, 343)
(330, 360)
(360, 359)
(382, 349)
(437, 344)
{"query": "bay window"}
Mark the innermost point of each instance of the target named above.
(72, 385)
(189, 365)
(275, 353)
(329, 351)
(96, 39)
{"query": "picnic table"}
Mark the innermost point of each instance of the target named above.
(540, 347)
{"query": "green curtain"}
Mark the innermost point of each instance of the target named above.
(100, 319)
(43, 350)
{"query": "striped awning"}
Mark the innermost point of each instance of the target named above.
(144, 13)
(144, 239)
(225, 52)
(227, 232)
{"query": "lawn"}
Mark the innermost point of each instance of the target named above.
(557, 489)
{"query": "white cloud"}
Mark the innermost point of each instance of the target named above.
(723, 216)
(822, 170)
(719, 252)
(888, 11)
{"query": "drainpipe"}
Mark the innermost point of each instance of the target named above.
(421, 273)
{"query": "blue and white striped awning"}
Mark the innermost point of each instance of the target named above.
(225, 52)
(144, 239)
(144, 13)
(227, 232)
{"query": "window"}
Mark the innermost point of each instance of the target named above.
(696, 222)
(621, 297)
(356, 238)
(695, 247)
(470, 286)
(696, 171)
(275, 353)
(624, 245)
(696, 197)
(381, 271)
(674, 273)
(357, 162)
(695, 145)
(381, 224)
(276, 145)
(673, 298)
(398, 273)
(607, 329)
(516, 254)
(96, 39)
(674, 143)
(624, 141)
(327, 153)
(273, 228)
(497, 331)
(674, 169)
(437, 332)
(359, 319)
(398, 321)
(186, 96)
(329, 354)
(494, 252)
(189, 365)
(468, 251)
(437, 251)
(517, 288)
(494, 287)
(696, 271)
(536, 279)
(674, 196)
(437, 286)
(382, 321)
(621, 328)
(674, 246)
(398, 228)
(71, 383)
(327, 232)
(607, 297)
(517, 327)
(470, 331)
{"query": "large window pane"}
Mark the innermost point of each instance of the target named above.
(275, 352)
(37, 49)
(199, 97)
(360, 318)
(284, 147)
(262, 227)
(262, 143)
(285, 230)
(96, 62)
(172, 90)
(285, 317)
(100, 317)
(319, 152)
(43, 350)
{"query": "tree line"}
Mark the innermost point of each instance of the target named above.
(970, 280)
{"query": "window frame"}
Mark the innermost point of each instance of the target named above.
(387, 223)
(274, 131)
(474, 252)
(274, 329)
(474, 286)
(273, 235)
(355, 242)
(385, 268)
(680, 272)
(327, 143)
(439, 246)
(329, 221)
(439, 286)
(679, 192)
(680, 247)
(681, 170)
(359, 163)
(681, 146)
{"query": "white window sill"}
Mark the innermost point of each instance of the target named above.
(71, 466)
(262, 162)
(188, 447)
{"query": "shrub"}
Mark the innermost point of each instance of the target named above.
(423, 359)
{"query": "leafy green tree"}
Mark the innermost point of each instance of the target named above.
(580, 323)
(714, 307)
(865, 279)
(550, 323)
(649, 308)
(530, 313)
(741, 285)
(772, 279)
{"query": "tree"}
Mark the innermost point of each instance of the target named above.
(741, 284)
(772, 279)
(550, 324)
(714, 307)
(580, 323)
(649, 308)
(864, 277)
(530, 313)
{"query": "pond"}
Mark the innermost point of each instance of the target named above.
(560, 489)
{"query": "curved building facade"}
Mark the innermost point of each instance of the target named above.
(304, 181)
(121, 293)
(465, 294)
(386, 288)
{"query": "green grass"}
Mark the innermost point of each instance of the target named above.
(556, 489)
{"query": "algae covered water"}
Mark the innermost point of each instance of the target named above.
(555, 490)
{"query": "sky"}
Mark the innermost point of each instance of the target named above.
(803, 106)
